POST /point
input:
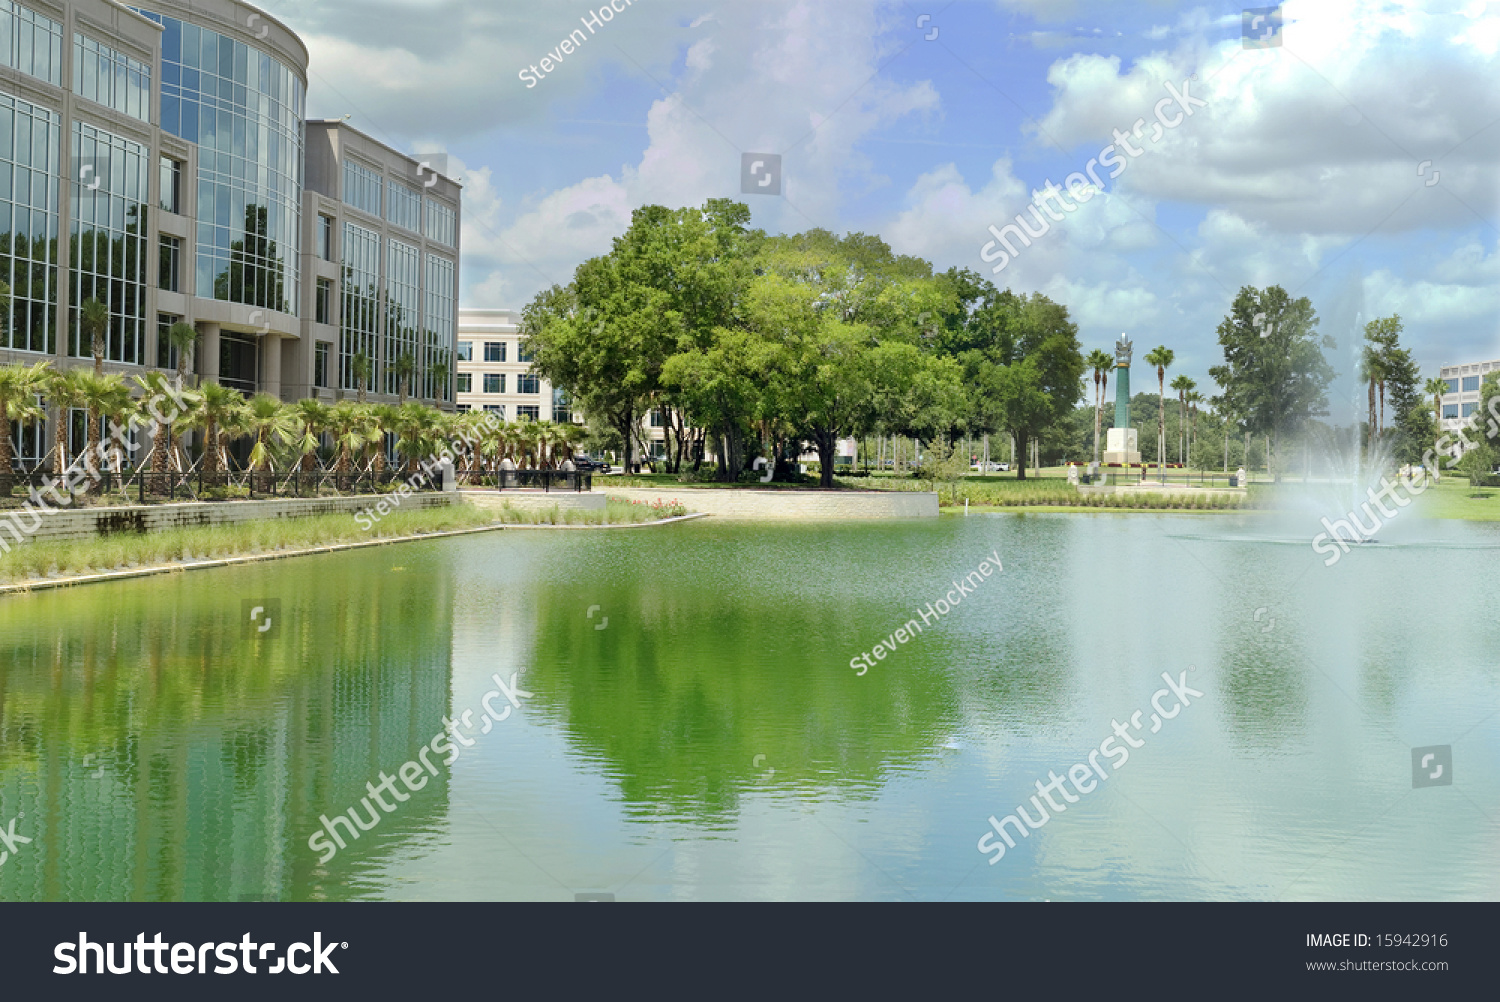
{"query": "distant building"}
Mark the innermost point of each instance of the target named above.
(1462, 398)
(494, 373)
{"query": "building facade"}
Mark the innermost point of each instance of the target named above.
(494, 374)
(1462, 398)
(156, 157)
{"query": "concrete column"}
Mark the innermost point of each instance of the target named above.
(208, 350)
(270, 364)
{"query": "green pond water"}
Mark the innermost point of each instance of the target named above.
(695, 730)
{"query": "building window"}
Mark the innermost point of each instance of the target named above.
(528, 412)
(166, 355)
(494, 382)
(111, 78)
(495, 409)
(30, 42)
(403, 206)
(1471, 384)
(171, 185)
(1450, 410)
(463, 408)
(658, 419)
(1452, 385)
(1469, 409)
(562, 410)
(402, 279)
(359, 308)
(528, 383)
(320, 363)
(362, 187)
(325, 237)
(29, 145)
(437, 324)
(110, 242)
(441, 223)
(524, 352)
(494, 351)
(466, 351)
(171, 264)
(465, 382)
(323, 301)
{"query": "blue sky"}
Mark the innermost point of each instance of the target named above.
(1353, 163)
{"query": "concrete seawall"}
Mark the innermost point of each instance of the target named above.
(83, 523)
(790, 505)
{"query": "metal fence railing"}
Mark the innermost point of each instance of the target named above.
(142, 486)
(544, 480)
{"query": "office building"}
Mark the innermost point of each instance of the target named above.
(157, 158)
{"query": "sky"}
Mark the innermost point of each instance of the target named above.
(1346, 153)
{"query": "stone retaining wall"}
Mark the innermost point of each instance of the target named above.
(535, 500)
(82, 523)
(795, 505)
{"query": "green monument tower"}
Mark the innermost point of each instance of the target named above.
(1121, 443)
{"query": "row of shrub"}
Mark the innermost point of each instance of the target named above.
(1181, 502)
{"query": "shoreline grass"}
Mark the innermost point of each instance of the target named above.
(43, 560)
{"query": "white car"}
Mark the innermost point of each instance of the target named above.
(992, 467)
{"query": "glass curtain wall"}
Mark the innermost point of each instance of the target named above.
(29, 151)
(438, 328)
(402, 304)
(245, 111)
(360, 320)
(109, 233)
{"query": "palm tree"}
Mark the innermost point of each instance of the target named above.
(346, 422)
(437, 375)
(19, 386)
(1101, 362)
(183, 337)
(410, 425)
(1194, 398)
(218, 412)
(524, 437)
(102, 395)
(1183, 385)
(385, 419)
(311, 416)
(1161, 356)
(266, 417)
(154, 386)
(64, 390)
(404, 368)
(360, 368)
(93, 322)
(567, 436)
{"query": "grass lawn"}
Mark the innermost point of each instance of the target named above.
(1454, 498)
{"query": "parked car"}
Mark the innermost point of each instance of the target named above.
(587, 464)
(990, 467)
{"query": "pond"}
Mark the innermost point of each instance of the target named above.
(685, 722)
